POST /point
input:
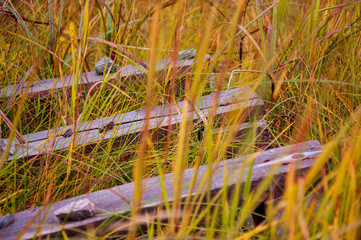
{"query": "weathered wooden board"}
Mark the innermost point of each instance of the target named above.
(229, 104)
(44, 87)
(117, 201)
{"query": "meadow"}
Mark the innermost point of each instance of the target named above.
(303, 58)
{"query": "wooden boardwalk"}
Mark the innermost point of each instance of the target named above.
(235, 112)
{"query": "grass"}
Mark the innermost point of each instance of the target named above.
(301, 57)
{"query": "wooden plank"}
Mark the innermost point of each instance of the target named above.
(230, 103)
(44, 87)
(117, 201)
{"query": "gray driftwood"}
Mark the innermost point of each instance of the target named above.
(114, 203)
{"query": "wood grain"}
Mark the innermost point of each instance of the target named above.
(231, 105)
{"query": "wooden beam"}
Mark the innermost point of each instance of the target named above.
(111, 204)
(236, 103)
(43, 87)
